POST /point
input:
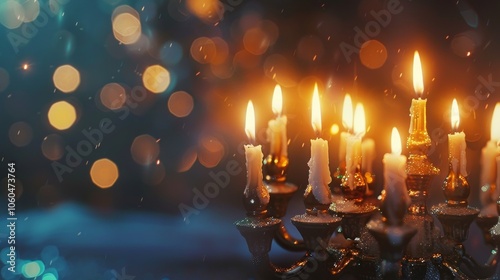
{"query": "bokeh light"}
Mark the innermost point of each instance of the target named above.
(104, 173)
(187, 160)
(465, 44)
(203, 50)
(373, 54)
(33, 269)
(145, 149)
(31, 9)
(221, 50)
(49, 253)
(126, 25)
(156, 79)
(11, 14)
(334, 129)
(20, 134)
(66, 78)
(256, 41)
(62, 115)
(52, 147)
(210, 11)
(180, 104)
(49, 276)
(4, 79)
(246, 60)
(210, 151)
(113, 96)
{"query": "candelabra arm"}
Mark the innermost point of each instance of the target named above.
(478, 271)
(350, 257)
(288, 242)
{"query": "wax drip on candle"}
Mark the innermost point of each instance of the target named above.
(255, 196)
(317, 195)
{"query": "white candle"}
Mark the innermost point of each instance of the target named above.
(418, 106)
(353, 144)
(319, 170)
(276, 131)
(347, 122)
(489, 154)
(395, 179)
(456, 143)
(253, 155)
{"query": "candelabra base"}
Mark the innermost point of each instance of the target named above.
(455, 220)
(392, 240)
(354, 216)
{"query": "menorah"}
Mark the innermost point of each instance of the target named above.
(384, 241)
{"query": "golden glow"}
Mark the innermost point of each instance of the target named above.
(495, 124)
(104, 173)
(62, 115)
(347, 116)
(455, 115)
(250, 122)
(395, 142)
(277, 100)
(156, 78)
(334, 129)
(66, 78)
(316, 111)
(359, 120)
(418, 79)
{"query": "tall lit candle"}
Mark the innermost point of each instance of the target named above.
(456, 143)
(276, 131)
(353, 143)
(255, 192)
(319, 171)
(418, 130)
(347, 122)
(490, 189)
(396, 195)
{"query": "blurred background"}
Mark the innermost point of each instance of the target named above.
(118, 114)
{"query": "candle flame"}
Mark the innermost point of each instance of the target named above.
(250, 122)
(347, 112)
(277, 100)
(418, 80)
(395, 142)
(495, 124)
(359, 120)
(316, 111)
(455, 116)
